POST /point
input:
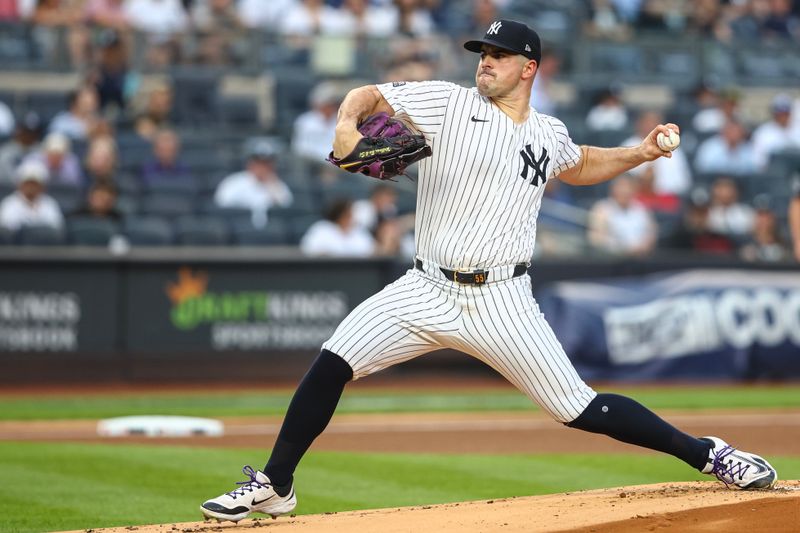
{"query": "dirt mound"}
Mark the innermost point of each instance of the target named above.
(683, 507)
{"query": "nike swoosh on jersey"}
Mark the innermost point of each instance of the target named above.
(473, 119)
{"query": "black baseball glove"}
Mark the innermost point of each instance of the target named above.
(386, 149)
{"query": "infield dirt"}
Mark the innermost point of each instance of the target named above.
(679, 507)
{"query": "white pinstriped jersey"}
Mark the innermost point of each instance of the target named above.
(477, 202)
(479, 193)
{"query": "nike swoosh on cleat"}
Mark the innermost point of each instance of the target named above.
(254, 502)
(473, 119)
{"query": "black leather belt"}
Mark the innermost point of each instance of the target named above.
(476, 277)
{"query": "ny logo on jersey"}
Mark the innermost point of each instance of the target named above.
(539, 165)
(494, 29)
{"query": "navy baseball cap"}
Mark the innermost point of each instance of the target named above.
(510, 35)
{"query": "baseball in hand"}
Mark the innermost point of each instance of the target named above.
(670, 143)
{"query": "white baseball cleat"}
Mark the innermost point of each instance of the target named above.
(735, 467)
(256, 495)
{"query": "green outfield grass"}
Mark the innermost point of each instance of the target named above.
(248, 403)
(51, 487)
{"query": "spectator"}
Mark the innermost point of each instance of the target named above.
(620, 224)
(695, 233)
(165, 166)
(727, 215)
(81, 117)
(101, 201)
(6, 120)
(543, 91)
(218, 32)
(50, 18)
(605, 21)
(258, 187)
(314, 130)
(338, 235)
(669, 176)
(794, 216)
(310, 17)
(715, 110)
(157, 113)
(482, 14)
(764, 243)
(415, 19)
(781, 24)
(107, 14)
(777, 134)
(259, 14)
(111, 76)
(358, 17)
(62, 165)
(24, 142)
(29, 205)
(163, 21)
(101, 160)
(728, 152)
(608, 113)
(381, 205)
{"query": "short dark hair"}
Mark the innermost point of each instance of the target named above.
(337, 208)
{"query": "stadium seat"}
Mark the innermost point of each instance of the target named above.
(148, 231)
(47, 103)
(274, 233)
(230, 215)
(40, 236)
(239, 112)
(167, 204)
(195, 95)
(91, 231)
(299, 226)
(6, 237)
(201, 231)
(180, 187)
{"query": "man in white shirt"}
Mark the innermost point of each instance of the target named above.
(258, 187)
(727, 215)
(29, 205)
(620, 224)
(338, 235)
(314, 130)
(728, 152)
(777, 134)
(670, 175)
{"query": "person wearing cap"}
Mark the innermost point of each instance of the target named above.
(29, 205)
(25, 141)
(764, 244)
(62, 165)
(478, 197)
(776, 134)
(258, 187)
(314, 130)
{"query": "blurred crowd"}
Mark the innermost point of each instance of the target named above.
(728, 21)
(119, 158)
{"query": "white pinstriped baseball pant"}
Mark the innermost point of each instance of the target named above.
(498, 323)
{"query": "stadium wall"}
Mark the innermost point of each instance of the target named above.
(205, 314)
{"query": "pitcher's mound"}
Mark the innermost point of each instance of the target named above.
(678, 507)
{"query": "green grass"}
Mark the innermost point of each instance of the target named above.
(247, 403)
(51, 487)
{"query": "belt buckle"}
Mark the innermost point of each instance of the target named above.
(478, 276)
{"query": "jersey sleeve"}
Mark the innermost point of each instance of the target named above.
(567, 152)
(422, 103)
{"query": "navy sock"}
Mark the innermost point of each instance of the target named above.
(629, 421)
(308, 415)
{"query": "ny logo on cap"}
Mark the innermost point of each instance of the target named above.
(494, 28)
